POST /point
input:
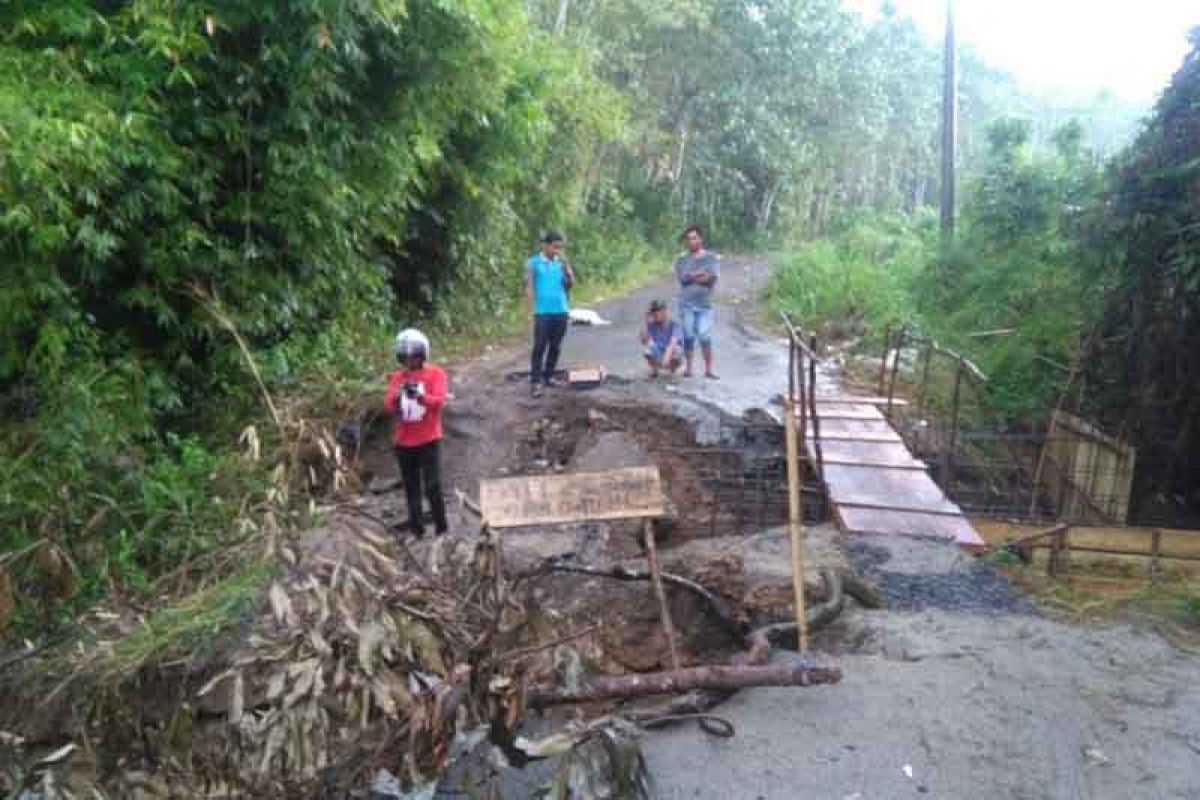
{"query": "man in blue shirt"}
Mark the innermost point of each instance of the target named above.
(697, 271)
(661, 338)
(548, 279)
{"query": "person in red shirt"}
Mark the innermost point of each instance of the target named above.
(415, 395)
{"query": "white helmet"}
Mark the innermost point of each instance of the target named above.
(410, 342)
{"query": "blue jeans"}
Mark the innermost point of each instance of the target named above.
(548, 333)
(697, 322)
(655, 353)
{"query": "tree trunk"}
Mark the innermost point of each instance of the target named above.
(560, 23)
(800, 671)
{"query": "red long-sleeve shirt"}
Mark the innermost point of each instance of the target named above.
(417, 421)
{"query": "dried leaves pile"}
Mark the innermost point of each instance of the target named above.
(367, 661)
(366, 658)
(367, 655)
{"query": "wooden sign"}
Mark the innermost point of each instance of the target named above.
(546, 499)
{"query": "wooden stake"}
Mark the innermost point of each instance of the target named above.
(1155, 554)
(656, 579)
(948, 455)
(812, 414)
(794, 517)
(887, 345)
(891, 392)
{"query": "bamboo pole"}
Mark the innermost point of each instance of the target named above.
(812, 413)
(794, 516)
(1041, 462)
(656, 579)
(948, 455)
(924, 394)
(891, 391)
(887, 346)
(1155, 555)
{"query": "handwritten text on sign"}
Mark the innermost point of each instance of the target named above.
(546, 499)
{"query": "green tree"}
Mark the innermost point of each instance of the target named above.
(300, 172)
(1143, 371)
(1019, 264)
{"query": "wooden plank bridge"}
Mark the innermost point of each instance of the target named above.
(874, 484)
(872, 481)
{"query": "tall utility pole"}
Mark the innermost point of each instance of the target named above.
(949, 126)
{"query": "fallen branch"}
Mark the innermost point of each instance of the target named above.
(800, 671)
(758, 653)
(525, 652)
(719, 605)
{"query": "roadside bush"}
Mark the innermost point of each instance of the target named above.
(177, 176)
(855, 282)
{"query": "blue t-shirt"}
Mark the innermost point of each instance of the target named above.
(661, 335)
(549, 293)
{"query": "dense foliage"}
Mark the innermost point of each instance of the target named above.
(297, 173)
(194, 196)
(1017, 268)
(1061, 262)
(1143, 362)
(777, 119)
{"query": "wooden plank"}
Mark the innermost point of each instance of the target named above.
(851, 413)
(1136, 566)
(878, 453)
(838, 427)
(873, 401)
(1111, 551)
(997, 531)
(954, 512)
(549, 499)
(916, 466)
(886, 438)
(910, 523)
(1173, 543)
(884, 488)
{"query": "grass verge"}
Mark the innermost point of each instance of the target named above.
(854, 283)
(190, 624)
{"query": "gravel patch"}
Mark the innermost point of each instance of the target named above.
(966, 585)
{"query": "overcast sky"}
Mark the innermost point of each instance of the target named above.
(1131, 47)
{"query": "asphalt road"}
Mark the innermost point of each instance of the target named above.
(752, 367)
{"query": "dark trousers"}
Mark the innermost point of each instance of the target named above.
(422, 466)
(548, 333)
